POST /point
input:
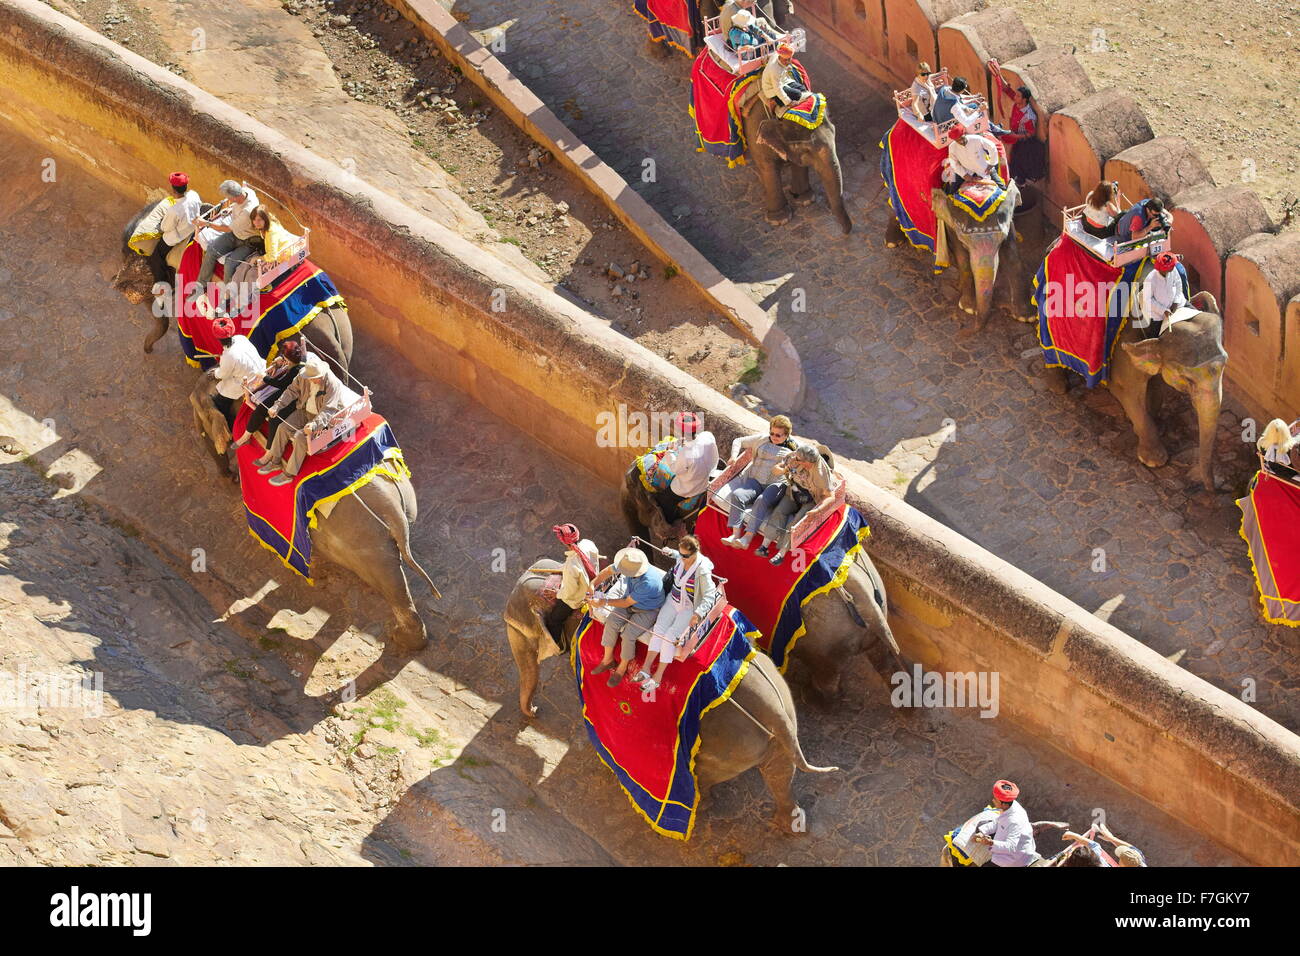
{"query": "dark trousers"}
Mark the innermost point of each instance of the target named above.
(281, 382)
(227, 408)
(554, 620)
(158, 262)
(1101, 232)
(669, 504)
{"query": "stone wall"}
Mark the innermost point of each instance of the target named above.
(549, 368)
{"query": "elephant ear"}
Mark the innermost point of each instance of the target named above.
(1146, 355)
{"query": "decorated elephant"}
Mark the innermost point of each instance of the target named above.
(367, 532)
(840, 623)
(985, 253)
(1190, 356)
(755, 727)
(775, 143)
(329, 332)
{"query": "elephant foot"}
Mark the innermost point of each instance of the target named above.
(148, 348)
(804, 199)
(1154, 457)
(1057, 380)
(783, 819)
(890, 244)
(779, 218)
(529, 710)
(410, 640)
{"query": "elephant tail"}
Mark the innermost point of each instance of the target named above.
(401, 532)
(786, 731)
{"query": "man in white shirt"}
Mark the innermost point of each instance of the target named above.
(1162, 294)
(969, 157)
(781, 84)
(1012, 841)
(177, 225)
(239, 360)
(690, 457)
(237, 241)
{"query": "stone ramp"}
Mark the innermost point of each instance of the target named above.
(486, 490)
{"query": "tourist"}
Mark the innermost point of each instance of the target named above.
(1142, 219)
(748, 31)
(806, 483)
(319, 396)
(741, 491)
(923, 92)
(692, 597)
(1100, 209)
(633, 608)
(282, 370)
(237, 241)
(1126, 854)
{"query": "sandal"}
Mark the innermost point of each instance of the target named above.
(615, 679)
(600, 669)
(641, 677)
(649, 684)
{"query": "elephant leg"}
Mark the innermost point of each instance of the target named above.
(965, 277)
(801, 193)
(525, 655)
(160, 326)
(1057, 380)
(778, 774)
(1129, 384)
(1208, 401)
(1011, 278)
(769, 173)
(893, 233)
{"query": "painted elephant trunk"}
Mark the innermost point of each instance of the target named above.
(984, 271)
(832, 177)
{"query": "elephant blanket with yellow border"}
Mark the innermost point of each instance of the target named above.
(669, 21)
(271, 317)
(281, 517)
(774, 597)
(1270, 525)
(649, 740)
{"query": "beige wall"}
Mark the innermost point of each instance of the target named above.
(1197, 753)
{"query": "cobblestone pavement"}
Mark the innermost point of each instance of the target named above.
(965, 431)
(486, 507)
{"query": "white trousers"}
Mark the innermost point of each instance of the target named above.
(671, 624)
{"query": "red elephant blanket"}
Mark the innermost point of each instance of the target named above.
(1270, 525)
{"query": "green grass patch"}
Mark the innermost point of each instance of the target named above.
(670, 271)
(753, 370)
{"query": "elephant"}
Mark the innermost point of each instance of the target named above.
(773, 143)
(978, 250)
(330, 332)
(1190, 357)
(758, 728)
(368, 532)
(840, 624)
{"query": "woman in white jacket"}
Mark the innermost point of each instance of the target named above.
(692, 597)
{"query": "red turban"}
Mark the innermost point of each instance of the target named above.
(956, 131)
(1165, 262)
(223, 328)
(569, 537)
(688, 423)
(178, 179)
(1005, 790)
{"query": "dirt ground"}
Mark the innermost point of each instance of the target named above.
(1219, 74)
